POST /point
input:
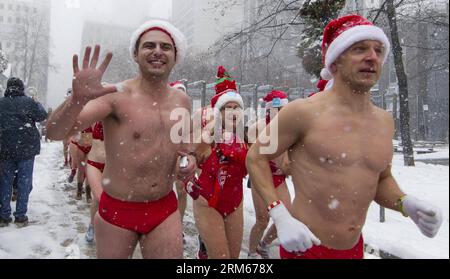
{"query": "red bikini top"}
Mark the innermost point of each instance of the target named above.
(97, 132)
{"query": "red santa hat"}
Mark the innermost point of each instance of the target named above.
(322, 85)
(342, 33)
(178, 39)
(178, 85)
(220, 100)
(224, 81)
(276, 99)
(225, 90)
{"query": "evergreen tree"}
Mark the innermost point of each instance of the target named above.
(316, 14)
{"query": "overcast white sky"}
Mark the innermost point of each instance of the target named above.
(66, 27)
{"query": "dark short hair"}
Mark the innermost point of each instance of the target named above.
(15, 82)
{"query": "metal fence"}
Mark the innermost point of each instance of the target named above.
(433, 116)
(251, 93)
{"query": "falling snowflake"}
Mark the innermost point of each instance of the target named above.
(334, 204)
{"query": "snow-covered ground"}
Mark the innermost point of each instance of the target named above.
(58, 222)
(400, 236)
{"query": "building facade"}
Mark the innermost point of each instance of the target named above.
(25, 40)
(203, 22)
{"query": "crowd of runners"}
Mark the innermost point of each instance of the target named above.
(137, 174)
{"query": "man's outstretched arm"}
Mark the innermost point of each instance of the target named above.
(86, 86)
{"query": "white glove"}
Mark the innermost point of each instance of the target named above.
(294, 235)
(426, 216)
(184, 162)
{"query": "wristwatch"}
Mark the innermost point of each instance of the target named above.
(400, 206)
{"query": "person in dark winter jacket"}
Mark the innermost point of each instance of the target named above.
(19, 144)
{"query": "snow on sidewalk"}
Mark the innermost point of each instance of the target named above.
(399, 235)
(58, 222)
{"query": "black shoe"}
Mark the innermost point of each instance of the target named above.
(79, 192)
(78, 196)
(202, 254)
(88, 194)
(21, 221)
(70, 178)
(4, 222)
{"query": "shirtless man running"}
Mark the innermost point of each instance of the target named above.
(258, 241)
(340, 148)
(138, 203)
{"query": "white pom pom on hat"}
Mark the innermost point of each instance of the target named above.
(177, 36)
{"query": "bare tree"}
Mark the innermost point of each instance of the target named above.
(122, 67)
(421, 28)
(264, 50)
(273, 20)
(33, 52)
(196, 67)
(408, 152)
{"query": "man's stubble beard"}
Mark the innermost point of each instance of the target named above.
(154, 75)
(358, 87)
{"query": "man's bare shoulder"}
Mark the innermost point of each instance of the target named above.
(384, 115)
(180, 98)
(301, 108)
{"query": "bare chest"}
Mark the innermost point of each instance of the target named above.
(148, 121)
(344, 143)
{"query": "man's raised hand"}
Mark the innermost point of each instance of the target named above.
(87, 82)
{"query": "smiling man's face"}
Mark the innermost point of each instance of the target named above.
(155, 54)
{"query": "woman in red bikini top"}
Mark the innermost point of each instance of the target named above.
(79, 147)
(218, 191)
(94, 172)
